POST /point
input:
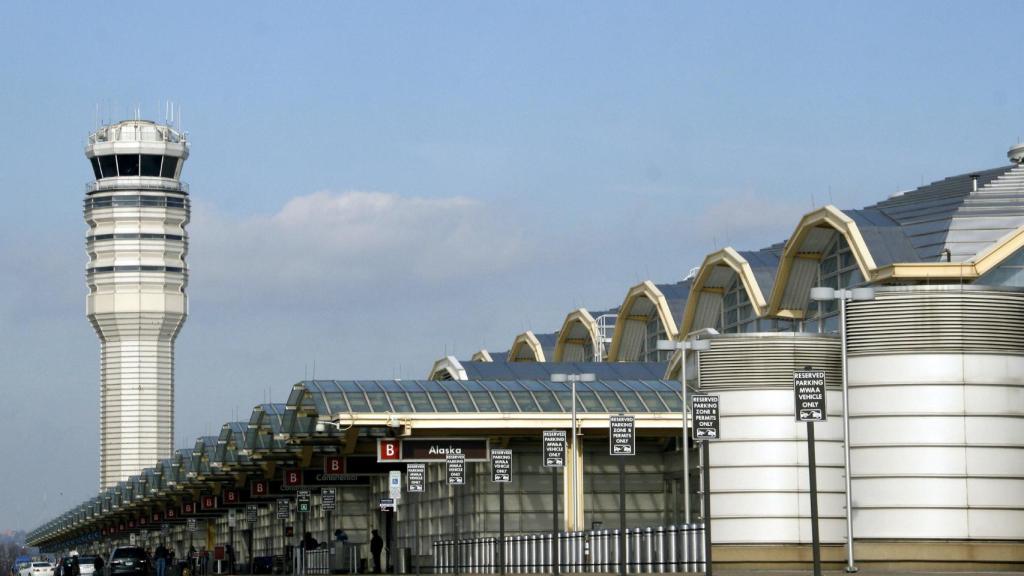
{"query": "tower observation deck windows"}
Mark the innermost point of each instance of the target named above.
(128, 164)
(108, 165)
(152, 165)
(170, 166)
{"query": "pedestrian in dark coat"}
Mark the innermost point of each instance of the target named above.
(376, 547)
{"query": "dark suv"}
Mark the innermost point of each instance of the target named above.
(128, 561)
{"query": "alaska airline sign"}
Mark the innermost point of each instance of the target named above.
(431, 449)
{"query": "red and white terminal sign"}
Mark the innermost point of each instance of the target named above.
(389, 450)
(431, 449)
(208, 502)
(259, 488)
(230, 497)
(292, 477)
(334, 465)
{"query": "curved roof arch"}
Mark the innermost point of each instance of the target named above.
(481, 355)
(803, 252)
(526, 348)
(641, 302)
(448, 368)
(715, 275)
(578, 329)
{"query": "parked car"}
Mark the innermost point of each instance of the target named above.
(37, 569)
(87, 565)
(128, 561)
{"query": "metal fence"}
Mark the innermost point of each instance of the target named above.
(648, 550)
(313, 561)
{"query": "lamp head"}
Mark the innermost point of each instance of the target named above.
(700, 345)
(588, 377)
(823, 294)
(862, 294)
(559, 378)
(669, 345)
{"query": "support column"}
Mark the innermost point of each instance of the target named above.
(572, 522)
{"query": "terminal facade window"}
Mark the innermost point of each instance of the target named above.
(837, 269)
(655, 331)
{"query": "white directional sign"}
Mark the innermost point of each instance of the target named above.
(705, 417)
(501, 465)
(329, 499)
(455, 466)
(395, 484)
(252, 513)
(283, 506)
(554, 448)
(190, 525)
(387, 504)
(416, 477)
(809, 395)
(621, 435)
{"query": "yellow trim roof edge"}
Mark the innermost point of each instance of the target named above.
(729, 257)
(528, 339)
(649, 290)
(838, 221)
(584, 317)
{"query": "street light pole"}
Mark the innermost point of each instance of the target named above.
(573, 379)
(684, 345)
(825, 294)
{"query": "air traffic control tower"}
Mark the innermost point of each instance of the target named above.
(137, 209)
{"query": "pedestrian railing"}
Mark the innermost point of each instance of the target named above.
(647, 550)
(313, 561)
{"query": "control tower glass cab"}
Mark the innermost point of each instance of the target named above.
(137, 209)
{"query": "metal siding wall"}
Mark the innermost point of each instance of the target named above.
(937, 414)
(759, 481)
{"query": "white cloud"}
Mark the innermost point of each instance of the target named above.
(354, 239)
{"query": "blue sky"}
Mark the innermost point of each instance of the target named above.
(375, 184)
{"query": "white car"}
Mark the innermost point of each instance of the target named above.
(37, 569)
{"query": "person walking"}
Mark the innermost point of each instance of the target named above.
(376, 547)
(161, 560)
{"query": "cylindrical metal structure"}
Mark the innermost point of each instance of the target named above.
(759, 480)
(137, 209)
(936, 377)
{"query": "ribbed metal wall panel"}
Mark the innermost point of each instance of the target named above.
(759, 480)
(938, 319)
(936, 376)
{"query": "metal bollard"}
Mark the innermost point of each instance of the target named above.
(648, 549)
(613, 551)
(627, 537)
(672, 553)
(697, 541)
(584, 551)
(659, 549)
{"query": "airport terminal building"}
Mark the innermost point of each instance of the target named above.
(920, 334)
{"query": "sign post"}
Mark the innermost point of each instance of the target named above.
(809, 396)
(554, 458)
(706, 428)
(415, 474)
(455, 469)
(501, 474)
(622, 442)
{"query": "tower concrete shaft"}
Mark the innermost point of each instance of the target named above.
(137, 209)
